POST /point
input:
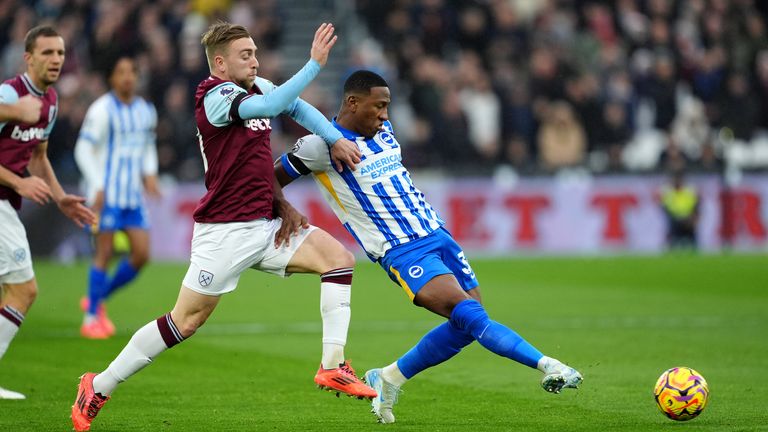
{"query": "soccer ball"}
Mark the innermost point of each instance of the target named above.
(681, 393)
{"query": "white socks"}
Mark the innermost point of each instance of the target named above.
(392, 375)
(146, 344)
(335, 295)
(10, 320)
(548, 364)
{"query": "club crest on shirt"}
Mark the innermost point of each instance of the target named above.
(205, 278)
(298, 145)
(19, 255)
(416, 272)
(226, 90)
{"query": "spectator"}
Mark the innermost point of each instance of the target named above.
(562, 141)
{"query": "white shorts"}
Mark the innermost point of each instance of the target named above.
(15, 259)
(221, 251)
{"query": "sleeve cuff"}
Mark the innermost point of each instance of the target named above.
(289, 168)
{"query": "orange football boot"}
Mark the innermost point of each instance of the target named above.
(101, 314)
(94, 330)
(343, 380)
(87, 404)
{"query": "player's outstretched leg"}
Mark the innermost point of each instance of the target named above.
(437, 346)
(470, 316)
(335, 373)
(381, 405)
(87, 404)
(146, 344)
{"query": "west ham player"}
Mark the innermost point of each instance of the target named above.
(389, 217)
(28, 107)
(243, 221)
(117, 156)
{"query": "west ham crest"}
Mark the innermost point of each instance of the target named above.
(205, 278)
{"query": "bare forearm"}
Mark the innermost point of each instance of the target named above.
(41, 167)
(9, 112)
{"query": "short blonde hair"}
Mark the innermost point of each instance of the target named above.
(218, 37)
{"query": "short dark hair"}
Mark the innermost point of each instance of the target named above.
(40, 31)
(113, 65)
(219, 36)
(363, 81)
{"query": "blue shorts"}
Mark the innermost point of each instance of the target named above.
(415, 263)
(116, 219)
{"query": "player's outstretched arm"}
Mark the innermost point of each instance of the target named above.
(279, 98)
(343, 151)
(72, 206)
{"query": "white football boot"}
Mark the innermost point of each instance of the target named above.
(7, 394)
(558, 376)
(387, 396)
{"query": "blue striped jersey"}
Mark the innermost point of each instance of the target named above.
(116, 149)
(377, 203)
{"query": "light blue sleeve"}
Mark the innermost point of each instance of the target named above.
(218, 102)
(277, 99)
(8, 96)
(314, 121)
(54, 116)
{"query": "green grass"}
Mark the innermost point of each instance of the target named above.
(621, 321)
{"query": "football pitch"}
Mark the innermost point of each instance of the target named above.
(621, 321)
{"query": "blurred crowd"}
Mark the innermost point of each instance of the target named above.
(536, 86)
(608, 86)
(163, 35)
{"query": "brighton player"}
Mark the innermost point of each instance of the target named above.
(389, 217)
(117, 156)
(28, 107)
(243, 221)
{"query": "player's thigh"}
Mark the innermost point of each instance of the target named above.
(441, 294)
(320, 253)
(104, 244)
(454, 258)
(139, 241)
(222, 251)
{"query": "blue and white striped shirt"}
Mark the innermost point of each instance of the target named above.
(116, 149)
(377, 203)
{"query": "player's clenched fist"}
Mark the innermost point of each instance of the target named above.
(324, 41)
(29, 109)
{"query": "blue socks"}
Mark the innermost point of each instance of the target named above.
(97, 289)
(100, 286)
(468, 322)
(470, 316)
(437, 346)
(123, 275)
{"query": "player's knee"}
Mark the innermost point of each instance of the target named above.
(345, 258)
(26, 293)
(139, 259)
(188, 327)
